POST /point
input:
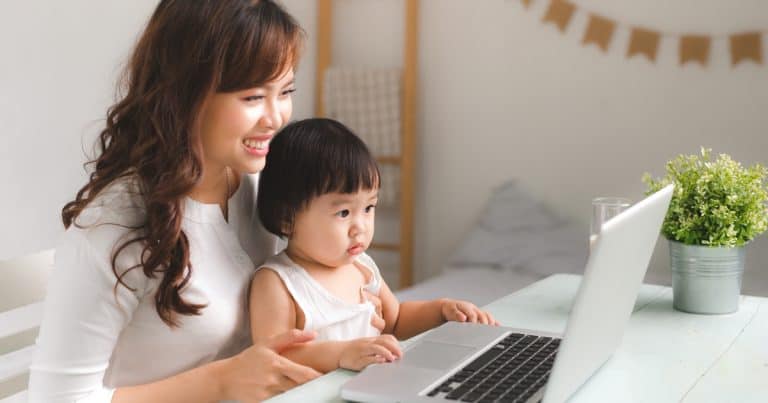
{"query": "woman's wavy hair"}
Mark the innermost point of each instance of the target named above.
(188, 50)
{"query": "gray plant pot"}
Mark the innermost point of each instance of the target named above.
(706, 279)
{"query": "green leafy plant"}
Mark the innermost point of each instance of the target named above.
(715, 203)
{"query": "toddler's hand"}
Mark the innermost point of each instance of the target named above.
(463, 311)
(369, 350)
(377, 320)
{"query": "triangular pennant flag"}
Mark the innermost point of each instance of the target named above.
(599, 31)
(695, 48)
(746, 46)
(560, 13)
(644, 42)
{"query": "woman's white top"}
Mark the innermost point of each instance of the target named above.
(96, 337)
(330, 316)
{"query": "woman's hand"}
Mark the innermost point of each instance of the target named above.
(260, 372)
(377, 320)
(463, 311)
(360, 353)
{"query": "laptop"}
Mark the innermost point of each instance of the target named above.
(460, 362)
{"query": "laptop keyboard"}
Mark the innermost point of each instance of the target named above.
(513, 370)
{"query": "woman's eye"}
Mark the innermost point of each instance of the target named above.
(370, 208)
(253, 98)
(343, 213)
(288, 92)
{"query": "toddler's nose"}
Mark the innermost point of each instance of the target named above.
(358, 227)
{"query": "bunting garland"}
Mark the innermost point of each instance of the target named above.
(645, 42)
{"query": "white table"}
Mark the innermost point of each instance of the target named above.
(665, 356)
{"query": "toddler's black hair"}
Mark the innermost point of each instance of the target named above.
(307, 159)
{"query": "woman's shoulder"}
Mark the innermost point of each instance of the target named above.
(112, 219)
(120, 203)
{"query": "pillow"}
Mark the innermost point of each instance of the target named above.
(512, 209)
(517, 232)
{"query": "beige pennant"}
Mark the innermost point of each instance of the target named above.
(559, 13)
(746, 46)
(695, 48)
(599, 31)
(644, 42)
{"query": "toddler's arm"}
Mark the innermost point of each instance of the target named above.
(407, 319)
(273, 311)
(326, 356)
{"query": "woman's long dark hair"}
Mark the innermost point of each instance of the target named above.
(189, 50)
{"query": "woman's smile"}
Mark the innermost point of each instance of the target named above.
(257, 146)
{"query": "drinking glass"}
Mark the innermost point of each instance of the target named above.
(603, 209)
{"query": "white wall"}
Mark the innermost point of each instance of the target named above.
(58, 70)
(501, 96)
(59, 67)
(504, 96)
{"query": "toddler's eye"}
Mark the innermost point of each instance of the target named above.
(343, 213)
(370, 208)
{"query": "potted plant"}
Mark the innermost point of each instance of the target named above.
(717, 208)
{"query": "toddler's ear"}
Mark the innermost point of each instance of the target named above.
(287, 229)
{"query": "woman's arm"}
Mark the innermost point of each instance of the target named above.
(85, 314)
(256, 374)
(202, 384)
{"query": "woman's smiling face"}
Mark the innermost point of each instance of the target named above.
(236, 127)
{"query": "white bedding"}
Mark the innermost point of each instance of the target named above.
(479, 285)
(516, 241)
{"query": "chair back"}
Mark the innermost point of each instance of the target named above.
(23, 282)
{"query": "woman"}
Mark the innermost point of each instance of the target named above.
(148, 299)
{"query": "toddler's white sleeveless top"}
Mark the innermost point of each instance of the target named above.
(328, 315)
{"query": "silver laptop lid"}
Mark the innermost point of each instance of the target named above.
(606, 297)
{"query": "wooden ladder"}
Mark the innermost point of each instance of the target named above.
(406, 159)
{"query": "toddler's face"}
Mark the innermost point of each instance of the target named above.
(334, 228)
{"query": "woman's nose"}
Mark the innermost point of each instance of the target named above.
(271, 117)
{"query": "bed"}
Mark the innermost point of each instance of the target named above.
(516, 241)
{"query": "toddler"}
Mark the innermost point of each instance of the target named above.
(319, 191)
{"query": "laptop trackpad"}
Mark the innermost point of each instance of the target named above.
(433, 355)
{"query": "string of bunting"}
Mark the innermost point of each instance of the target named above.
(693, 47)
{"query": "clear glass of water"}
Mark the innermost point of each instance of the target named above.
(603, 209)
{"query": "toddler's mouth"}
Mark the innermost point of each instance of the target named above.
(356, 249)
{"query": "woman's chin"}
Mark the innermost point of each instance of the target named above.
(252, 167)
